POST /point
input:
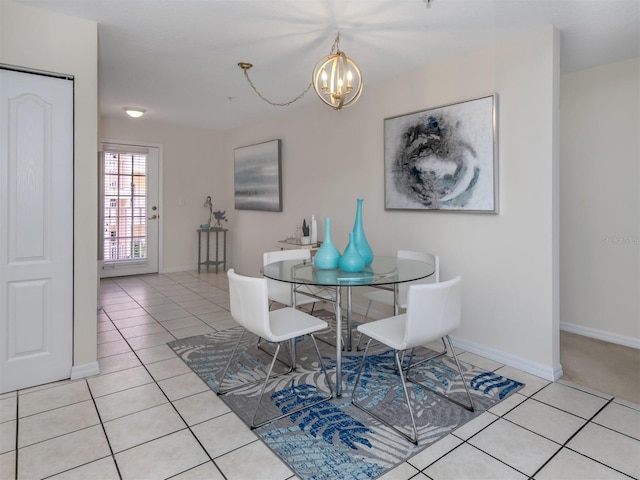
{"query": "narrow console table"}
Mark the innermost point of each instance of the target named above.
(207, 259)
(284, 245)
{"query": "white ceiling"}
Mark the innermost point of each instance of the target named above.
(178, 58)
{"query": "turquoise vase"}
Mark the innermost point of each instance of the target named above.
(327, 256)
(327, 277)
(359, 237)
(351, 260)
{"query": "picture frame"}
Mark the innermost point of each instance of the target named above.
(443, 158)
(257, 177)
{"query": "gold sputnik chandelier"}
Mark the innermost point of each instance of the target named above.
(336, 79)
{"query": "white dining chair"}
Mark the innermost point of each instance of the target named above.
(385, 296)
(250, 308)
(281, 292)
(433, 312)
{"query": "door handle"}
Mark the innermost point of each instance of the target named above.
(153, 217)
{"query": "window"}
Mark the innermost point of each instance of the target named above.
(125, 211)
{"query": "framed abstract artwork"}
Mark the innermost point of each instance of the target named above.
(258, 183)
(443, 158)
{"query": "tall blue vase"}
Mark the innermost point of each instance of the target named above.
(359, 237)
(327, 256)
(351, 260)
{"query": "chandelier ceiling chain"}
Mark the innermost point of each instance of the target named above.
(338, 88)
(335, 48)
(246, 66)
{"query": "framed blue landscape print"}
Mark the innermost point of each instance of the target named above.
(443, 159)
(258, 184)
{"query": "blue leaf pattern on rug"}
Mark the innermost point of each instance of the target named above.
(315, 460)
(331, 420)
(335, 440)
(492, 381)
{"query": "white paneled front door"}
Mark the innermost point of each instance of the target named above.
(36, 229)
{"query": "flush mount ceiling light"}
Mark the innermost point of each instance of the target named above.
(336, 79)
(134, 112)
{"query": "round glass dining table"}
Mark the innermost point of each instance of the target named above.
(384, 272)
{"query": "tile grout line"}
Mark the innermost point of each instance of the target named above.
(177, 283)
(564, 445)
(187, 426)
(113, 456)
(60, 435)
(465, 441)
(17, 431)
(498, 417)
(530, 397)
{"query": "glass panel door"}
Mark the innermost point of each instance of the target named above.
(129, 214)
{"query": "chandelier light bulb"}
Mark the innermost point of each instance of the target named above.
(325, 88)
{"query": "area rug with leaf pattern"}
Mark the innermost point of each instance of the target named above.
(334, 439)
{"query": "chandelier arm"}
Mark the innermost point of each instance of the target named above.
(275, 104)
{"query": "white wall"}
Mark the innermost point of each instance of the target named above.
(507, 261)
(332, 158)
(37, 39)
(600, 202)
(191, 170)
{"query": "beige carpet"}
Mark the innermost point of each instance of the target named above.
(602, 366)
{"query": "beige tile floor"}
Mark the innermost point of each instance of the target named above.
(147, 416)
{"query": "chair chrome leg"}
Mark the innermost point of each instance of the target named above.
(366, 315)
(424, 360)
(469, 407)
(263, 346)
(264, 387)
(220, 391)
(413, 439)
(324, 371)
(355, 385)
(322, 399)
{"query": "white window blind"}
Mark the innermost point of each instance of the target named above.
(124, 203)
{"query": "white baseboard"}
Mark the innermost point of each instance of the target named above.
(192, 269)
(189, 268)
(543, 371)
(85, 370)
(600, 335)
